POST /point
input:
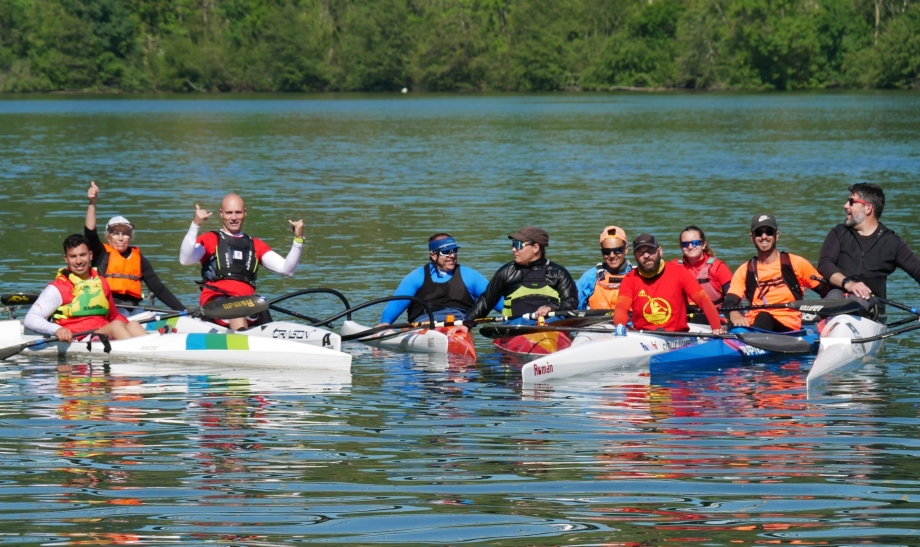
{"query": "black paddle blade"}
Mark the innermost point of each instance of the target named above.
(777, 343)
(827, 307)
(237, 306)
(18, 299)
(11, 350)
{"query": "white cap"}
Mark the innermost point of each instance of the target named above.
(118, 221)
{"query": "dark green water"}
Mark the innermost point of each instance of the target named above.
(410, 450)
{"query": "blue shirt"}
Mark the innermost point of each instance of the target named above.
(475, 283)
(587, 282)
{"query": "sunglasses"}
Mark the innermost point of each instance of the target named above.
(518, 245)
(764, 231)
(615, 250)
(692, 243)
(851, 201)
(447, 252)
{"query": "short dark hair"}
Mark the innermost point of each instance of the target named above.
(871, 193)
(75, 240)
(440, 235)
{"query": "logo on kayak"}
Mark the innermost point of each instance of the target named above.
(656, 311)
(539, 370)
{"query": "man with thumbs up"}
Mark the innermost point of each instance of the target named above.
(230, 259)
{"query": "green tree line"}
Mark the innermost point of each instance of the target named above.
(456, 45)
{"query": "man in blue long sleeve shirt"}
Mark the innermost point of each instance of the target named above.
(447, 288)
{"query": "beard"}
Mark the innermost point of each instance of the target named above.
(649, 271)
(854, 220)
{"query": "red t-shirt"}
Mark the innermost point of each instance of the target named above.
(231, 287)
(661, 302)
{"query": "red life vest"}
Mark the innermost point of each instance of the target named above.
(702, 277)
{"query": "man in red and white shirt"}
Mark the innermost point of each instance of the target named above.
(229, 258)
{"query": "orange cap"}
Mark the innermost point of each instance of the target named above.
(614, 232)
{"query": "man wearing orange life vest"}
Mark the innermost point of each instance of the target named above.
(79, 299)
(656, 293)
(122, 264)
(771, 277)
(599, 287)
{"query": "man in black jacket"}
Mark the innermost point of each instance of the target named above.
(531, 283)
(861, 253)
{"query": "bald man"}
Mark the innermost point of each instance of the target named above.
(229, 258)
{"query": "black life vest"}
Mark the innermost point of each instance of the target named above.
(532, 294)
(788, 274)
(438, 296)
(235, 258)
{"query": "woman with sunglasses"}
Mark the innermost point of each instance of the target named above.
(599, 287)
(700, 260)
(122, 264)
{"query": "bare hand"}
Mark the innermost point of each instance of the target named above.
(297, 228)
(738, 320)
(718, 331)
(93, 192)
(542, 311)
(64, 335)
(381, 325)
(858, 288)
(201, 215)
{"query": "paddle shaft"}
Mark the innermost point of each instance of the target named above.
(884, 335)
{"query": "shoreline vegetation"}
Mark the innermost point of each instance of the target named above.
(196, 46)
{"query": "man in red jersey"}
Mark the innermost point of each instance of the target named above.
(229, 258)
(656, 293)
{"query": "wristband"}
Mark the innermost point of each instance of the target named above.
(298, 240)
(843, 284)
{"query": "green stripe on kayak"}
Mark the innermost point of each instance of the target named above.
(205, 341)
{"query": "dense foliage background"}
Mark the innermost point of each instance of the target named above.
(442, 45)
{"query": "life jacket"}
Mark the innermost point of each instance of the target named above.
(452, 294)
(606, 289)
(123, 274)
(234, 258)
(533, 293)
(751, 283)
(84, 302)
(713, 292)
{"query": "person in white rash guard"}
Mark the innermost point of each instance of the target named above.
(230, 259)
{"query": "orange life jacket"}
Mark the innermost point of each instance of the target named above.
(606, 289)
(123, 274)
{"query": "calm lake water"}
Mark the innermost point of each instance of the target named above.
(419, 450)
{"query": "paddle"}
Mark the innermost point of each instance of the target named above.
(898, 305)
(18, 299)
(777, 343)
(884, 335)
(836, 306)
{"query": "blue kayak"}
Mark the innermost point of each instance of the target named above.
(720, 352)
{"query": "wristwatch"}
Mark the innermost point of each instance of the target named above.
(843, 284)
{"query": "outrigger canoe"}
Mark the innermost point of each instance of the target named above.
(601, 352)
(219, 348)
(284, 330)
(721, 352)
(443, 340)
(837, 351)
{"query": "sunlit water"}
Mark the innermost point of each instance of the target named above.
(426, 450)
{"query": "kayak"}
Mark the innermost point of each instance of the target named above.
(720, 352)
(601, 352)
(286, 330)
(185, 347)
(532, 344)
(445, 340)
(837, 352)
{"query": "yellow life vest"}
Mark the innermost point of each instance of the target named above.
(85, 298)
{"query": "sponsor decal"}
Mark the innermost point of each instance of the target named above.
(290, 334)
(814, 309)
(540, 370)
(248, 303)
(644, 346)
(656, 311)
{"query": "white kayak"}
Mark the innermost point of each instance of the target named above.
(837, 352)
(417, 341)
(598, 352)
(185, 347)
(285, 330)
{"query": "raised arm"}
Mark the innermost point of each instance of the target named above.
(92, 194)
